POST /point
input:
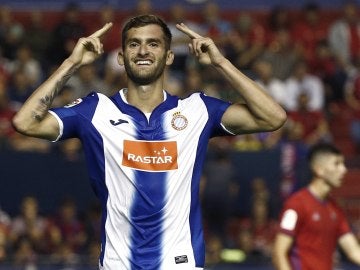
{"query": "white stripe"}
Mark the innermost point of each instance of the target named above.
(61, 125)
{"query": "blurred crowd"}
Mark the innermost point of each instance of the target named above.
(307, 59)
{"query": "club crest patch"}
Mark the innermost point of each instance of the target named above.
(75, 102)
(179, 122)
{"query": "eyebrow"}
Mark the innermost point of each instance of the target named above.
(149, 40)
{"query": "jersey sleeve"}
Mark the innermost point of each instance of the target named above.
(291, 217)
(73, 117)
(216, 108)
(344, 226)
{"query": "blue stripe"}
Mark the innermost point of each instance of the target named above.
(93, 147)
(215, 109)
(195, 218)
(147, 208)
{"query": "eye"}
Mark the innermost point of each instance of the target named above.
(133, 44)
(154, 45)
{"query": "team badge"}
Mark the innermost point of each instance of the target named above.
(179, 122)
(75, 102)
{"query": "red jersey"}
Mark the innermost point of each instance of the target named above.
(316, 227)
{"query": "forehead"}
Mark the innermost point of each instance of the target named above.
(152, 31)
(330, 159)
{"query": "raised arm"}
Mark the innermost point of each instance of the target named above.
(260, 112)
(33, 118)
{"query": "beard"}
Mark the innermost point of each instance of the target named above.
(147, 75)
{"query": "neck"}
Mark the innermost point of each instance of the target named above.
(145, 97)
(319, 189)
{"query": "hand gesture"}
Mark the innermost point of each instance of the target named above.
(87, 49)
(203, 48)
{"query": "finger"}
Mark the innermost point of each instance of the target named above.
(198, 47)
(99, 33)
(186, 30)
(97, 45)
(191, 49)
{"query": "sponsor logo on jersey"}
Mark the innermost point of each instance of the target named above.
(179, 122)
(75, 102)
(316, 216)
(150, 155)
(118, 122)
(181, 259)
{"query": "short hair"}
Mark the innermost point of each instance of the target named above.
(322, 149)
(143, 20)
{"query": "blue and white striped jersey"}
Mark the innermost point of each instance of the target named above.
(146, 173)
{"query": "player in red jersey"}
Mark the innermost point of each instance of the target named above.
(311, 223)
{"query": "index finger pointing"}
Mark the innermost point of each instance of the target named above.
(99, 33)
(186, 30)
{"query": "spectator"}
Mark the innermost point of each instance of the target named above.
(11, 32)
(7, 111)
(247, 41)
(37, 35)
(301, 81)
(332, 73)
(309, 30)
(313, 125)
(272, 85)
(71, 227)
(31, 231)
(344, 34)
(177, 14)
(65, 35)
(352, 99)
(213, 25)
(30, 66)
(87, 80)
(111, 42)
(20, 87)
(282, 54)
(279, 20)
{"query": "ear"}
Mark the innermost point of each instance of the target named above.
(317, 170)
(169, 57)
(120, 58)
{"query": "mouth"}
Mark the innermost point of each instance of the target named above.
(143, 62)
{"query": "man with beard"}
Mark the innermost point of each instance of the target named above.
(144, 147)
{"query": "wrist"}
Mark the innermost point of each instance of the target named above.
(70, 63)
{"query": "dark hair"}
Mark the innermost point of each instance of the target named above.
(320, 149)
(143, 20)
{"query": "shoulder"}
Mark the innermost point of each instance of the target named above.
(203, 98)
(297, 199)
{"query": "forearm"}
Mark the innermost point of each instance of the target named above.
(36, 107)
(261, 104)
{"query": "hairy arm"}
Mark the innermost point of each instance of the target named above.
(260, 111)
(33, 118)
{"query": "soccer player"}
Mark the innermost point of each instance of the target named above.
(311, 223)
(144, 147)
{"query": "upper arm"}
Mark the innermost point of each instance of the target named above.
(47, 128)
(282, 246)
(350, 246)
(238, 119)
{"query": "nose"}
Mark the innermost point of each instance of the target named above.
(344, 168)
(143, 49)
